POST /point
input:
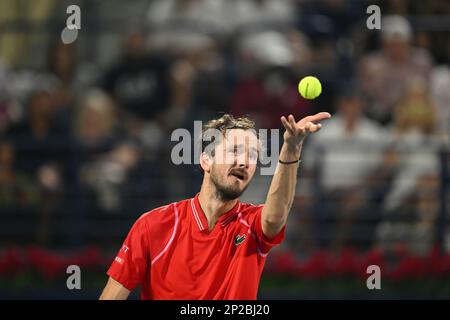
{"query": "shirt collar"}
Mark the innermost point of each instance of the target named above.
(200, 217)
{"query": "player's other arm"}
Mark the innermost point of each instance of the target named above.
(114, 291)
(282, 189)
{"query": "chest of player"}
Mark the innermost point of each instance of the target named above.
(195, 255)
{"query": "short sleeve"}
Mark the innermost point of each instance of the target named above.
(132, 262)
(264, 243)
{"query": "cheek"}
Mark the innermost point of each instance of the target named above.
(218, 171)
(251, 171)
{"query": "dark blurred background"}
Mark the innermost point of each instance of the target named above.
(85, 135)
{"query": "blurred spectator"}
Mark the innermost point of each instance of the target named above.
(72, 77)
(139, 81)
(201, 86)
(96, 131)
(43, 149)
(192, 33)
(267, 96)
(140, 84)
(105, 176)
(268, 13)
(268, 85)
(439, 86)
(344, 157)
(330, 18)
(350, 147)
(198, 15)
(264, 49)
(96, 126)
(413, 141)
(64, 78)
(384, 74)
(18, 190)
(108, 157)
(415, 165)
(40, 139)
(220, 17)
(5, 100)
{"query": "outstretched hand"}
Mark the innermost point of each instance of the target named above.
(296, 132)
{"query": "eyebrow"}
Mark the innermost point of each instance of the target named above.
(240, 146)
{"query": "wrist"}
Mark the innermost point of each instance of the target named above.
(294, 149)
(290, 152)
(289, 162)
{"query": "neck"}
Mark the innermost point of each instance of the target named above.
(212, 205)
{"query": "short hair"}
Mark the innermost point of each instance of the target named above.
(224, 123)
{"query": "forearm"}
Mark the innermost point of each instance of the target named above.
(281, 192)
(114, 291)
(282, 189)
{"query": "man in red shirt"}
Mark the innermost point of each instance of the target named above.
(213, 246)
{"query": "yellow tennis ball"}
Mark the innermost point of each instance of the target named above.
(310, 87)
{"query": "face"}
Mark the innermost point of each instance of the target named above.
(233, 164)
(397, 49)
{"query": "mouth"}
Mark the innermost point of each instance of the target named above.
(241, 176)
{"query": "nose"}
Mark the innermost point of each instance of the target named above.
(243, 165)
(243, 161)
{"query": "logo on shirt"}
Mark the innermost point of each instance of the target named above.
(239, 239)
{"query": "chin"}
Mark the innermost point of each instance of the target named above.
(231, 193)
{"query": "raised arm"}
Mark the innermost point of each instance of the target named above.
(282, 189)
(114, 291)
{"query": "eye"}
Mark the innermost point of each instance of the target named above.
(253, 156)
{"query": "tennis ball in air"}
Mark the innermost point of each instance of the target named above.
(310, 87)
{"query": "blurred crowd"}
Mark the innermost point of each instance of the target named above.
(85, 127)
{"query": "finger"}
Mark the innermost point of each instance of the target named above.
(308, 127)
(320, 116)
(293, 124)
(289, 125)
(304, 129)
(286, 125)
(315, 128)
(319, 126)
(317, 117)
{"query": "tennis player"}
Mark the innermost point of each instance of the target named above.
(213, 246)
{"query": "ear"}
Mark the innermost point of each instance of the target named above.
(205, 162)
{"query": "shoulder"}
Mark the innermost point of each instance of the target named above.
(158, 225)
(250, 210)
(163, 215)
(154, 214)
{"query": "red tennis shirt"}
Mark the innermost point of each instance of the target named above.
(172, 255)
